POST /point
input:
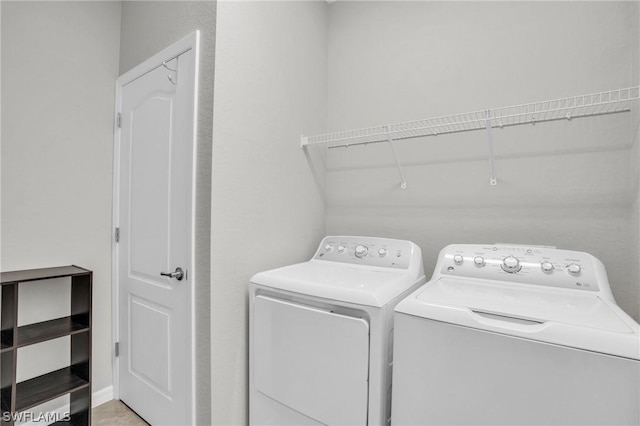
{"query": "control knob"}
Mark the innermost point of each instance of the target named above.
(328, 248)
(361, 251)
(458, 259)
(574, 269)
(479, 261)
(382, 252)
(510, 264)
(341, 249)
(546, 266)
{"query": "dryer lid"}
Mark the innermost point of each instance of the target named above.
(577, 319)
(358, 284)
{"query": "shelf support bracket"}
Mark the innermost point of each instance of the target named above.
(317, 177)
(492, 174)
(403, 181)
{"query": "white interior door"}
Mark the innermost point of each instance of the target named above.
(155, 216)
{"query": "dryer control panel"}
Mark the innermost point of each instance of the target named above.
(383, 252)
(536, 265)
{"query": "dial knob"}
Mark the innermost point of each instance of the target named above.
(510, 264)
(458, 259)
(382, 252)
(479, 261)
(574, 269)
(328, 247)
(546, 266)
(361, 251)
(341, 249)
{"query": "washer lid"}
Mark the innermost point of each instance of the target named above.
(576, 319)
(362, 285)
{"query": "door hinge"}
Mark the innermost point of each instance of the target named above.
(119, 120)
(117, 235)
(117, 349)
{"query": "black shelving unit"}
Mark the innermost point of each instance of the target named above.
(74, 379)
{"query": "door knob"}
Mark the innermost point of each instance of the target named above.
(178, 274)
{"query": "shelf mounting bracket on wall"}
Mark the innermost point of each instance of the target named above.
(492, 174)
(304, 141)
(403, 181)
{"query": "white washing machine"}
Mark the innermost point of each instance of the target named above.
(321, 333)
(512, 335)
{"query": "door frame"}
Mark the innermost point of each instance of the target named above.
(190, 42)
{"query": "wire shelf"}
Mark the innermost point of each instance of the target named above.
(609, 102)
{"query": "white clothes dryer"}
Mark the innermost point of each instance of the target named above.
(514, 335)
(320, 333)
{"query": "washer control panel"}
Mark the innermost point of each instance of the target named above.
(366, 251)
(522, 264)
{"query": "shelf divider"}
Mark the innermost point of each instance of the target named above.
(5, 347)
(47, 387)
(14, 277)
(48, 330)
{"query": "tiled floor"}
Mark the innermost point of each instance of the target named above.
(115, 413)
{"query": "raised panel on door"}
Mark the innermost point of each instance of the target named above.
(149, 185)
(149, 344)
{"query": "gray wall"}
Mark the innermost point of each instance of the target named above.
(563, 183)
(270, 86)
(147, 28)
(59, 64)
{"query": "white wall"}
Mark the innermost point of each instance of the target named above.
(270, 87)
(634, 227)
(147, 28)
(635, 154)
(59, 64)
(561, 183)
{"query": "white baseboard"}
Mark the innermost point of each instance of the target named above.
(101, 396)
(97, 398)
